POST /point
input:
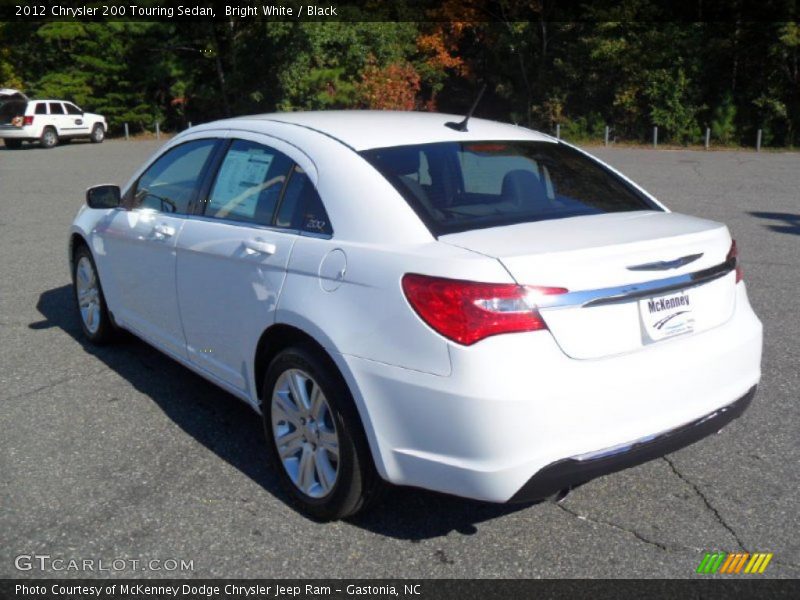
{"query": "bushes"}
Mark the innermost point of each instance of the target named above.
(723, 122)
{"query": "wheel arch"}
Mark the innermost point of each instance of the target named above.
(76, 240)
(280, 336)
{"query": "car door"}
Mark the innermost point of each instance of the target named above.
(139, 243)
(59, 119)
(232, 259)
(75, 120)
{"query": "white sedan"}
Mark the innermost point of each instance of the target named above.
(483, 310)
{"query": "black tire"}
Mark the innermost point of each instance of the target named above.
(13, 144)
(49, 138)
(105, 330)
(98, 134)
(357, 482)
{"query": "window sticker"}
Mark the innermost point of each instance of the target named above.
(239, 182)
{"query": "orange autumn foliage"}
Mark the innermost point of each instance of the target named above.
(393, 87)
(450, 21)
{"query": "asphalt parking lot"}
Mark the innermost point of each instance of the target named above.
(120, 453)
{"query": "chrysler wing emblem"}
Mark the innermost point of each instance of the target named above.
(664, 265)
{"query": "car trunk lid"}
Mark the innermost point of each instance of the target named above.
(634, 278)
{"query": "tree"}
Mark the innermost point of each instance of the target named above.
(670, 105)
(394, 87)
(723, 125)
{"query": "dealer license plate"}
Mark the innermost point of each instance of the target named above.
(666, 316)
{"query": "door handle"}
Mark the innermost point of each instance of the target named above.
(259, 246)
(162, 231)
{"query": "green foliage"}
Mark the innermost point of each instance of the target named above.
(71, 84)
(591, 127)
(323, 61)
(8, 72)
(670, 107)
(626, 67)
(723, 124)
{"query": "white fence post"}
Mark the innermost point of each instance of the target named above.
(708, 137)
(158, 131)
(127, 133)
(605, 139)
(655, 136)
(558, 131)
(758, 141)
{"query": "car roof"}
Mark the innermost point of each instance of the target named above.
(365, 129)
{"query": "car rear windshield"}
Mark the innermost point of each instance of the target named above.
(459, 186)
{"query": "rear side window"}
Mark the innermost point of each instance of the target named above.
(459, 186)
(40, 108)
(72, 109)
(170, 183)
(302, 207)
(248, 184)
(56, 108)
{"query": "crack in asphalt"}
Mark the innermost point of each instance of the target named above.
(47, 386)
(707, 503)
(51, 384)
(618, 527)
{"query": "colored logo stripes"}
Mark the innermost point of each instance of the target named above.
(734, 563)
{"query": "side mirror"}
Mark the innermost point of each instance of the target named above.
(103, 196)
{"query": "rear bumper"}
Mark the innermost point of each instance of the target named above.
(18, 133)
(572, 472)
(515, 405)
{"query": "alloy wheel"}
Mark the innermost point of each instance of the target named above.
(49, 138)
(305, 433)
(88, 292)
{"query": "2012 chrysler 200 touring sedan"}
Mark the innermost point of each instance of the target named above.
(483, 310)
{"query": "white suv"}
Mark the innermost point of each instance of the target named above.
(46, 121)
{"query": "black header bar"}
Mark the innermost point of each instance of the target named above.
(399, 10)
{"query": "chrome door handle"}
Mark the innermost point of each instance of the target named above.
(163, 231)
(259, 246)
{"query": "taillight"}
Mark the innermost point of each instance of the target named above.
(467, 312)
(733, 253)
(28, 120)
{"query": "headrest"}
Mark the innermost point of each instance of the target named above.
(400, 161)
(519, 184)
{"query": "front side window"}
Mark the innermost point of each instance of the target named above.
(248, 184)
(72, 109)
(56, 108)
(459, 186)
(302, 207)
(170, 183)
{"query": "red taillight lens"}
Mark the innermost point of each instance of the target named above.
(467, 312)
(28, 120)
(733, 253)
